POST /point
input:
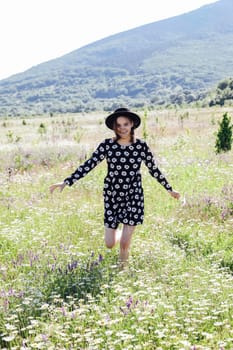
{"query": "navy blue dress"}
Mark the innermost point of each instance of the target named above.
(123, 192)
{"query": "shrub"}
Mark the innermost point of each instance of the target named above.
(42, 129)
(224, 135)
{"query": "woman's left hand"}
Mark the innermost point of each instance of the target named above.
(59, 185)
(175, 194)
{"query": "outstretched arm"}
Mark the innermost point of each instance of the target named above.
(82, 170)
(98, 155)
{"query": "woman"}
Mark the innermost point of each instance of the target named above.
(123, 193)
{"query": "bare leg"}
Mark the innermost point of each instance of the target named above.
(110, 237)
(125, 243)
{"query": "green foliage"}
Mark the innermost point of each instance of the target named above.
(10, 136)
(172, 62)
(78, 135)
(60, 288)
(223, 93)
(224, 135)
(21, 164)
(78, 278)
(42, 129)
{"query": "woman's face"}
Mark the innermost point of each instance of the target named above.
(123, 127)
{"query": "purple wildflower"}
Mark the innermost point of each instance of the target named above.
(101, 258)
(44, 338)
(72, 266)
(129, 302)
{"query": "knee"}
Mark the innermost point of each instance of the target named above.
(110, 237)
(109, 244)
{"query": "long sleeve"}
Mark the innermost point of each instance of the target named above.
(153, 169)
(98, 155)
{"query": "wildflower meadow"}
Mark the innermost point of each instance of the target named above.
(61, 288)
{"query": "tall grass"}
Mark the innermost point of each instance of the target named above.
(60, 288)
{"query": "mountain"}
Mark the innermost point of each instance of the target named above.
(172, 61)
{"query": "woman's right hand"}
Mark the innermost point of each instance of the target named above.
(59, 185)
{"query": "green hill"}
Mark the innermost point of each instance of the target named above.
(172, 61)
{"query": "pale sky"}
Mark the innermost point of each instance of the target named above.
(35, 31)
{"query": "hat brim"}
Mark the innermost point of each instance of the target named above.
(109, 121)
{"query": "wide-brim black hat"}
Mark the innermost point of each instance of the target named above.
(122, 112)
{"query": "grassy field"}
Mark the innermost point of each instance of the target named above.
(60, 288)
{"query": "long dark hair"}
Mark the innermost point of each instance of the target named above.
(132, 134)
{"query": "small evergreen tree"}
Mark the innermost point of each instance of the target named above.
(224, 135)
